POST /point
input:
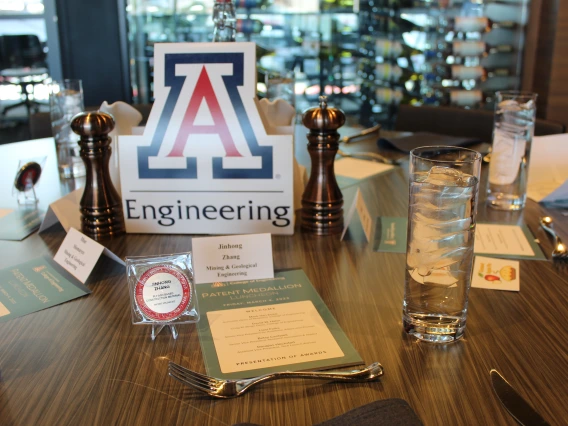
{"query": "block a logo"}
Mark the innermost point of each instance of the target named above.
(211, 159)
(204, 104)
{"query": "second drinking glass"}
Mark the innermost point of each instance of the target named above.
(513, 131)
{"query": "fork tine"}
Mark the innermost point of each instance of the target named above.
(193, 385)
(193, 376)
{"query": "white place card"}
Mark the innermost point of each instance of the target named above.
(496, 274)
(232, 258)
(359, 169)
(65, 211)
(501, 240)
(78, 254)
(360, 207)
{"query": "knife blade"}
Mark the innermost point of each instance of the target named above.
(514, 403)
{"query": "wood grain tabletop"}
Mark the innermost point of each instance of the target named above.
(84, 363)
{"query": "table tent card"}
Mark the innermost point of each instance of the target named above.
(205, 163)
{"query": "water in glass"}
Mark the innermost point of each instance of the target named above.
(440, 253)
(512, 137)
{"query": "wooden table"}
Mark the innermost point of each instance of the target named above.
(83, 362)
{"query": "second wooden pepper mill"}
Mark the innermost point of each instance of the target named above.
(101, 206)
(322, 201)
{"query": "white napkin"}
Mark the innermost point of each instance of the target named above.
(279, 117)
(548, 169)
(125, 117)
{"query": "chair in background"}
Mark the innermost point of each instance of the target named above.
(23, 64)
(460, 122)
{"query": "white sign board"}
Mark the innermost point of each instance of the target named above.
(205, 163)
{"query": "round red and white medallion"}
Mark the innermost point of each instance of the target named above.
(163, 293)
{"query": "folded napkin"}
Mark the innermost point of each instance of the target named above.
(386, 412)
(548, 170)
(126, 117)
(416, 140)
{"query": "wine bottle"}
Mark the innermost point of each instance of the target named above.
(465, 49)
(479, 48)
(387, 96)
(460, 98)
(388, 48)
(387, 72)
(438, 72)
(470, 24)
(249, 26)
(224, 18)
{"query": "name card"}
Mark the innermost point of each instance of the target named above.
(78, 254)
(232, 258)
(360, 207)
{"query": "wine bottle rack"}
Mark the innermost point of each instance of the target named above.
(368, 56)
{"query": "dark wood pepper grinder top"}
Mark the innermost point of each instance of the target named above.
(101, 206)
(322, 201)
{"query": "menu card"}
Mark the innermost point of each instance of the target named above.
(35, 285)
(249, 328)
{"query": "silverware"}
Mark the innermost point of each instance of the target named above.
(520, 409)
(371, 155)
(221, 388)
(365, 132)
(560, 251)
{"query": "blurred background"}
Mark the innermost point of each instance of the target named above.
(368, 56)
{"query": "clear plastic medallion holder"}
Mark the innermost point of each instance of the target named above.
(162, 291)
(444, 184)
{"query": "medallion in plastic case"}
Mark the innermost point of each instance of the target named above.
(162, 291)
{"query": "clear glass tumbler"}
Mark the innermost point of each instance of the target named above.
(281, 85)
(65, 101)
(513, 132)
(444, 184)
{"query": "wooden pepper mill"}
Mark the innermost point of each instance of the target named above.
(322, 201)
(101, 206)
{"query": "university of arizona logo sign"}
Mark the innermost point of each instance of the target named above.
(205, 163)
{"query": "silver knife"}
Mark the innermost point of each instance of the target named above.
(520, 409)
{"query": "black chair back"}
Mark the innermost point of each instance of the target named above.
(460, 122)
(21, 51)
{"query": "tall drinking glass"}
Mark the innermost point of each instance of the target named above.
(513, 132)
(281, 85)
(65, 101)
(444, 183)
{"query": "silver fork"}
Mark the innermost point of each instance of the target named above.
(560, 251)
(221, 388)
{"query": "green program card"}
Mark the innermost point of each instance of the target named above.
(390, 236)
(35, 285)
(248, 328)
(18, 224)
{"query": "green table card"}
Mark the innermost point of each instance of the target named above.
(248, 328)
(390, 234)
(35, 285)
(20, 223)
